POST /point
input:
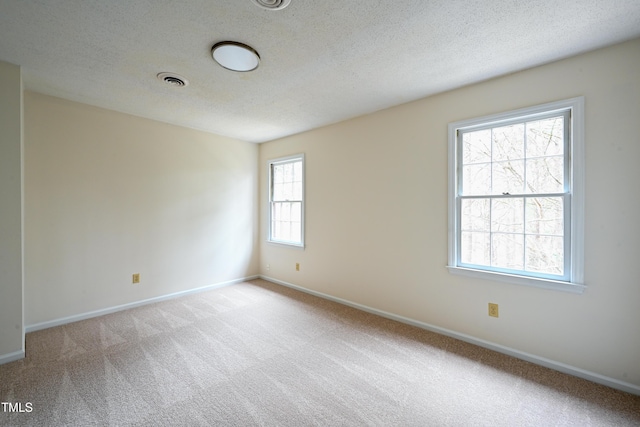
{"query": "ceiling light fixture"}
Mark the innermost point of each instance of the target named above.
(272, 4)
(235, 56)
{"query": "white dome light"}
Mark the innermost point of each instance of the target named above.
(235, 56)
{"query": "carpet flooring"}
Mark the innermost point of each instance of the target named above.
(258, 354)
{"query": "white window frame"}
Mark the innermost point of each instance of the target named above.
(575, 216)
(270, 164)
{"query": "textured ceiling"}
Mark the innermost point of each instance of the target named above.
(322, 61)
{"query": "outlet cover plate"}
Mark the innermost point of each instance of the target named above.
(493, 310)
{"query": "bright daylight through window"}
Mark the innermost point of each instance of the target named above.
(286, 200)
(516, 196)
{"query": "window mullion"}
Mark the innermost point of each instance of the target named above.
(512, 196)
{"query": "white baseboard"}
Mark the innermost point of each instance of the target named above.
(11, 357)
(102, 312)
(542, 361)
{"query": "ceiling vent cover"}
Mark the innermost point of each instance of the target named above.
(272, 4)
(173, 79)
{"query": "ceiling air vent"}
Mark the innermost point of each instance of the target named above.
(173, 79)
(272, 4)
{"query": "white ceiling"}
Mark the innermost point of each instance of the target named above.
(323, 61)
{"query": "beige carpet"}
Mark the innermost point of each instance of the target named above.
(259, 354)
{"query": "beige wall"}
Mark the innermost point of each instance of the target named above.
(376, 217)
(11, 250)
(108, 195)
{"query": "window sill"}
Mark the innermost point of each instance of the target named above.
(555, 285)
(286, 244)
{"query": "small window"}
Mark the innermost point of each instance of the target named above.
(286, 200)
(515, 196)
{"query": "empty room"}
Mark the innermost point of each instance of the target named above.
(295, 212)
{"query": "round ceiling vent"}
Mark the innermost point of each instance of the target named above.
(173, 79)
(272, 4)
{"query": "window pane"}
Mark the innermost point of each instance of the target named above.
(296, 212)
(508, 142)
(297, 171)
(286, 224)
(475, 215)
(545, 254)
(287, 181)
(296, 232)
(285, 228)
(508, 177)
(285, 212)
(507, 215)
(297, 190)
(476, 179)
(288, 172)
(507, 251)
(278, 174)
(545, 137)
(476, 147)
(545, 215)
(287, 191)
(475, 248)
(278, 193)
(545, 175)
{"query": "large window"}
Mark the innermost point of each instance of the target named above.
(286, 200)
(516, 196)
